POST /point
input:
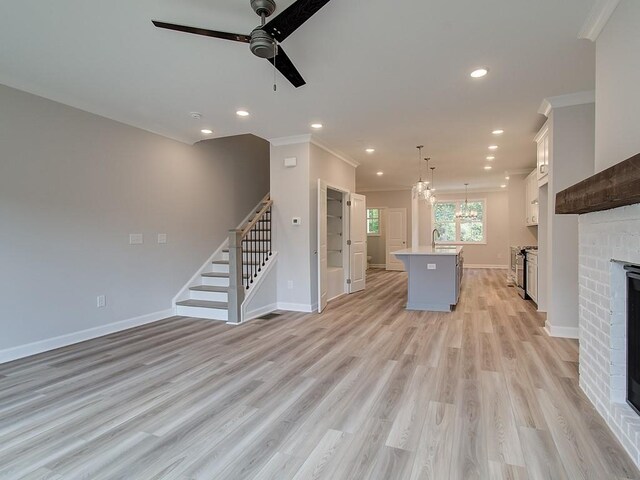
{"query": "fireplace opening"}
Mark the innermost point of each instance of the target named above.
(633, 336)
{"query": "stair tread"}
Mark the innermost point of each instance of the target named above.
(226, 262)
(210, 288)
(216, 275)
(203, 304)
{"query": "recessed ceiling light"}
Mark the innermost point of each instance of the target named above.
(479, 73)
(370, 150)
(503, 186)
(242, 113)
(491, 158)
(488, 167)
(493, 147)
(206, 131)
(380, 174)
(317, 126)
(507, 177)
(499, 131)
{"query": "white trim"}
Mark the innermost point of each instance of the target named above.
(40, 346)
(569, 100)
(382, 189)
(308, 138)
(258, 312)
(292, 140)
(344, 158)
(262, 276)
(296, 307)
(561, 332)
(597, 19)
(482, 266)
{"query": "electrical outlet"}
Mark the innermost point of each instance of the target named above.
(290, 284)
(431, 266)
(101, 301)
(162, 238)
(136, 239)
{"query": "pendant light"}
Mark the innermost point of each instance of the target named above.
(432, 198)
(466, 213)
(419, 188)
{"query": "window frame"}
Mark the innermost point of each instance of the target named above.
(458, 203)
(379, 223)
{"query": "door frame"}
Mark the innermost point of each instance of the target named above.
(345, 248)
(382, 235)
(389, 230)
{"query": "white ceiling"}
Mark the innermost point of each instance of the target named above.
(379, 73)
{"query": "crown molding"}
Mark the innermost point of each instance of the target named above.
(520, 171)
(341, 156)
(292, 140)
(308, 138)
(569, 100)
(597, 19)
(382, 189)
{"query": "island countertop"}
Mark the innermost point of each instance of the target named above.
(429, 250)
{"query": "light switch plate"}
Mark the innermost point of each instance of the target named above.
(101, 301)
(431, 266)
(290, 162)
(162, 238)
(136, 239)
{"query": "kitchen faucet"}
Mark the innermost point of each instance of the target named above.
(433, 237)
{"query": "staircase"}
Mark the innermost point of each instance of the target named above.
(233, 271)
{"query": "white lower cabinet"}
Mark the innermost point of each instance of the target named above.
(532, 276)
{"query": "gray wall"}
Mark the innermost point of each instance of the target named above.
(73, 186)
(617, 92)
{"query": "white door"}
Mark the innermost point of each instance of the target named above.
(322, 245)
(396, 236)
(358, 242)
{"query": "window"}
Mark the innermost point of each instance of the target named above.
(373, 221)
(454, 230)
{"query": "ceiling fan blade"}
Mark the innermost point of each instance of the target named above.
(295, 15)
(286, 68)
(236, 37)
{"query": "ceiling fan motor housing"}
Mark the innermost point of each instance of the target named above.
(263, 7)
(262, 44)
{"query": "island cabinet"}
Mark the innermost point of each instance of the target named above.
(435, 277)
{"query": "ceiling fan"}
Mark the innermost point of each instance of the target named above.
(264, 39)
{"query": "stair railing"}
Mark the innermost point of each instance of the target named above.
(249, 251)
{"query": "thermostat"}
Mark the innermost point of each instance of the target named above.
(296, 221)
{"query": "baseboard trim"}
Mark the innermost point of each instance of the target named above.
(258, 312)
(490, 267)
(561, 332)
(296, 307)
(21, 351)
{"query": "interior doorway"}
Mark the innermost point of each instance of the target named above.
(376, 237)
(396, 236)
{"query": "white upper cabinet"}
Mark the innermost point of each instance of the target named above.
(531, 199)
(543, 155)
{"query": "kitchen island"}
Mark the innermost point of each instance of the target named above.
(435, 274)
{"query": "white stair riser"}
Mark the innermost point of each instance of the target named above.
(225, 256)
(247, 255)
(220, 268)
(215, 281)
(211, 296)
(198, 312)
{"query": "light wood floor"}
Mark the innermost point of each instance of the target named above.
(366, 390)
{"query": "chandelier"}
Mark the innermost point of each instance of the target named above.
(465, 212)
(421, 190)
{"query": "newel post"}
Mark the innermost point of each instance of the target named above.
(236, 288)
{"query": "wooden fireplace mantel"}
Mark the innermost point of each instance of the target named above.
(614, 187)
